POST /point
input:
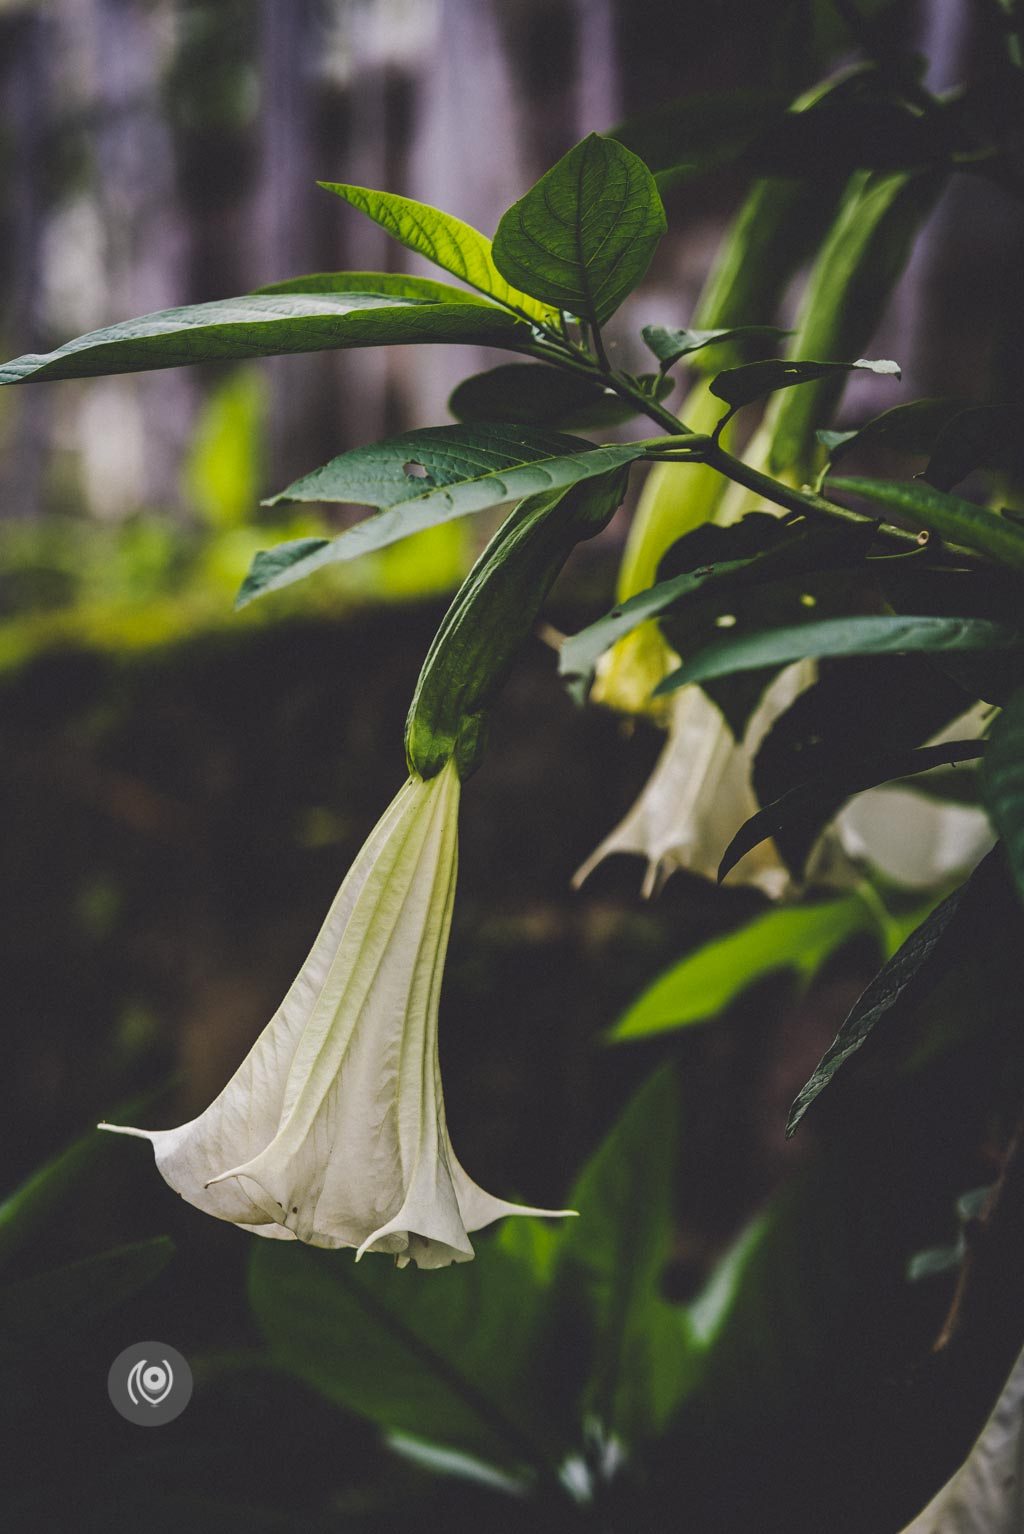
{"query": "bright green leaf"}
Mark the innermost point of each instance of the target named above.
(425, 477)
(583, 237)
(394, 284)
(796, 938)
(841, 636)
(452, 245)
(264, 326)
(960, 521)
(739, 386)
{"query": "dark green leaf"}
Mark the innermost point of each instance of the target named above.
(739, 386)
(817, 799)
(449, 1363)
(533, 394)
(983, 437)
(894, 701)
(583, 237)
(927, 956)
(42, 1312)
(425, 477)
(796, 938)
(841, 636)
(909, 428)
(700, 130)
(264, 326)
(394, 284)
(1002, 782)
(669, 345)
(960, 521)
(452, 245)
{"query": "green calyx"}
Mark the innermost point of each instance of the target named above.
(493, 613)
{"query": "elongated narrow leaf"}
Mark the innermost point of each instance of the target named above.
(739, 386)
(452, 245)
(450, 1364)
(46, 1310)
(1002, 782)
(394, 284)
(425, 477)
(533, 394)
(264, 326)
(670, 345)
(821, 796)
(797, 938)
(928, 954)
(960, 521)
(841, 636)
(583, 237)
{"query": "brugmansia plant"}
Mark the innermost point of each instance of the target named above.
(822, 649)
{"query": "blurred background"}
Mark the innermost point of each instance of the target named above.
(184, 787)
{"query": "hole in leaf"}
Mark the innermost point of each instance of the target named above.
(415, 470)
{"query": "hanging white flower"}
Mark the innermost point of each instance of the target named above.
(332, 1131)
(986, 1495)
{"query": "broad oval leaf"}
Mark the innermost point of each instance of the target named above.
(452, 245)
(841, 636)
(1002, 782)
(425, 477)
(264, 326)
(533, 394)
(981, 437)
(670, 345)
(960, 521)
(817, 799)
(910, 428)
(797, 938)
(739, 386)
(583, 237)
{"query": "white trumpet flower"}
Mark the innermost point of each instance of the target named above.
(333, 1129)
(986, 1495)
(701, 792)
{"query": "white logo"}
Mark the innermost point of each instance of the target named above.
(153, 1382)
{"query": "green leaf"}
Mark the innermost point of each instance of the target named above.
(796, 938)
(914, 971)
(983, 437)
(960, 521)
(910, 428)
(1002, 782)
(669, 345)
(42, 1312)
(840, 636)
(895, 701)
(393, 284)
(583, 237)
(611, 1263)
(425, 477)
(817, 799)
(452, 245)
(450, 1362)
(533, 394)
(739, 386)
(264, 326)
